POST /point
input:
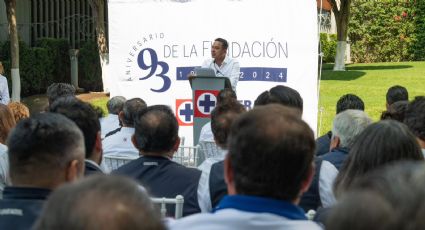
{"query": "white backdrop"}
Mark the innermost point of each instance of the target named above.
(155, 44)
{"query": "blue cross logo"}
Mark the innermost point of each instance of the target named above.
(207, 102)
(187, 112)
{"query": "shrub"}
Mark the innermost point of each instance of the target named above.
(328, 45)
(90, 72)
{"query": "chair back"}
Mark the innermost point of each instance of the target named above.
(114, 161)
(178, 202)
(187, 156)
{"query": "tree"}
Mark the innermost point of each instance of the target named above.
(342, 15)
(14, 49)
(98, 7)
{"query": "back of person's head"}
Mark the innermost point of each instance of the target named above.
(395, 111)
(226, 95)
(348, 125)
(349, 101)
(222, 118)
(283, 95)
(223, 42)
(414, 117)
(400, 187)
(7, 122)
(270, 153)
(380, 143)
(45, 150)
(84, 116)
(130, 110)
(115, 104)
(99, 202)
(19, 110)
(156, 130)
(57, 90)
(396, 93)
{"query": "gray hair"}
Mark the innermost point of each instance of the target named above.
(348, 125)
(115, 104)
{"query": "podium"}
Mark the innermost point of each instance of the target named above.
(204, 97)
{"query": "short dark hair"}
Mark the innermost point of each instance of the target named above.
(397, 93)
(57, 90)
(156, 129)
(222, 118)
(349, 101)
(84, 115)
(396, 111)
(226, 95)
(414, 117)
(115, 104)
(99, 202)
(270, 152)
(379, 144)
(43, 145)
(130, 110)
(223, 42)
(281, 94)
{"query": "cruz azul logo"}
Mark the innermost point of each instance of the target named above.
(184, 112)
(205, 102)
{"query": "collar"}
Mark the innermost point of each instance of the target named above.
(261, 204)
(25, 193)
(94, 164)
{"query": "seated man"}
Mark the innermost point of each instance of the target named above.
(100, 202)
(268, 167)
(119, 140)
(211, 185)
(156, 137)
(282, 95)
(396, 93)
(45, 151)
(111, 122)
(86, 118)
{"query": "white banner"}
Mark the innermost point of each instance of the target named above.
(155, 44)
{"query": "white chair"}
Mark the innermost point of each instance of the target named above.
(178, 201)
(114, 161)
(187, 156)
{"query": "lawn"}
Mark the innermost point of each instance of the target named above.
(370, 82)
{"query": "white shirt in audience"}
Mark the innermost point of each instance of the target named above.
(108, 124)
(206, 133)
(120, 142)
(4, 168)
(328, 173)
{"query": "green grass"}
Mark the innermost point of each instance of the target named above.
(370, 82)
(100, 102)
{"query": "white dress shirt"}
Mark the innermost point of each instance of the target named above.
(120, 142)
(328, 173)
(4, 90)
(108, 124)
(206, 133)
(230, 68)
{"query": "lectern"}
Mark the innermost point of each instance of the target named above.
(204, 97)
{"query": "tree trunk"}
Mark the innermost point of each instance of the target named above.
(14, 49)
(98, 7)
(340, 56)
(342, 16)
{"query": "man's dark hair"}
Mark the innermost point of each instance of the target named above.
(397, 93)
(42, 146)
(57, 90)
(85, 117)
(222, 118)
(223, 41)
(156, 130)
(414, 117)
(395, 111)
(281, 95)
(226, 95)
(349, 101)
(99, 202)
(271, 152)
(115, 104)
(130, 110)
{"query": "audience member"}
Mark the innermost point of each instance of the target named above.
(119, 140)
(85, 117)
(212, 186)
(269, 164)
(99, 202)
(57, 90)
(156, 137)
(7, 122)
(347, 101)
(396, 111)
(4, 87)
(414, 118)
(224, 96)
(346, 127)
(19, 110)
(396, 93)
(45, 151)
(283, 95)
(112, 122)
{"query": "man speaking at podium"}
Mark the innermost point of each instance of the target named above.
(223, 65)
